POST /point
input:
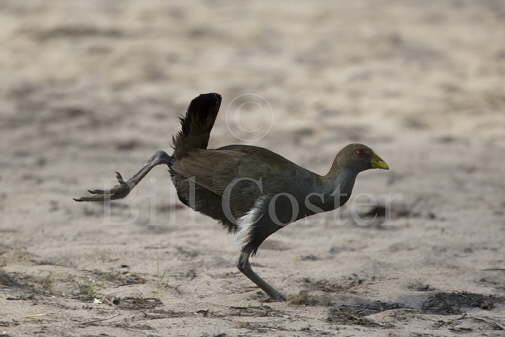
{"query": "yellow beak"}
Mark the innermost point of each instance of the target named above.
(378, 163)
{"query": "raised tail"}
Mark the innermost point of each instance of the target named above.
(196, 124)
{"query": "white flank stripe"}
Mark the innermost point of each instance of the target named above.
(246, 222)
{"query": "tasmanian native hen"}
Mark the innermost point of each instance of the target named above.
(251, 190)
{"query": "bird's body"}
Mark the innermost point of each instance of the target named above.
(262, 172)
(242, 175)
(251, 190)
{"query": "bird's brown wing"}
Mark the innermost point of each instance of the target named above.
(216, 169)
(212, 170)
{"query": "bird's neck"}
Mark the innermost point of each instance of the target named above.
(337, 186)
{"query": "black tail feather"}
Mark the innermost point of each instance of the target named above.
(196, 124)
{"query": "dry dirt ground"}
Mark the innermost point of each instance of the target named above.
(90, 87)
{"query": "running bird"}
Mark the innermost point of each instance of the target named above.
(251, 190)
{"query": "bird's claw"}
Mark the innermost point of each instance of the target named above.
(119, 178)
(117, 192)
(279, 298)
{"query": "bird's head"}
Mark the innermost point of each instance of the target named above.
(359, 157)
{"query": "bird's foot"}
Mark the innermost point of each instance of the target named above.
(117, 192)
(278, 297)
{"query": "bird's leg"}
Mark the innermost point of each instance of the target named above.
(245, 267)
(124, 187)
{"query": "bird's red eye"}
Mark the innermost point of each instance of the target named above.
(361, 153)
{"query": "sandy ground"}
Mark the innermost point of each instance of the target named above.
(90, 87)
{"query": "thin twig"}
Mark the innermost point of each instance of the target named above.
(36, 315)
(489, 321)
(100, 320)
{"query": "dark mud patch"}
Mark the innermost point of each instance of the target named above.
(397, 211)
(27, 284)
(420, 286)
(348, 283)
(380, 213)
(255, 311)
(6, 324)
(370, 308)
(141, 327)
(453, 303)
(162, 314)
(8, 281)
(310, 257)
(136, 303)
(337, 250)
(357, 310)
